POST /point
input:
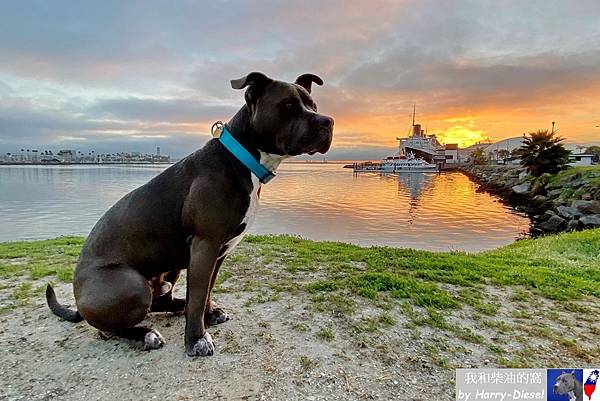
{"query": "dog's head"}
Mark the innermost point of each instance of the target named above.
(283, 116)
(565, 383)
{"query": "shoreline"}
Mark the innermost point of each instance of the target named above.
(567, 201)
(85, 164)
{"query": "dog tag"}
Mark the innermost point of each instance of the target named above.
(217, 129)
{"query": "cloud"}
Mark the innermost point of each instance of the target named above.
(160, 110)
(129, 73)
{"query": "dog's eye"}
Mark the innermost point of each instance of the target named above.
(289, 106)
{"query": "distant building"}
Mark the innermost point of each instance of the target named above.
(451, 153)
(504, 151)
(581, 159)
(158, 151)
(67, 155)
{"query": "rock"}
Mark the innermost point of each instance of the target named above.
(586, 206)
(553, 224)
(539, 200)
(576, 183)
(573, 225)
(537, 187)
(521, 188)
(554, 193)
(554, 185)
(544, 178)
(591, 220)
(547, 214)
(568, 212)
(559, 201)
(523, 175)
(587, 196)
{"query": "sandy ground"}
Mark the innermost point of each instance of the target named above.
(259, 356)
(287, 345)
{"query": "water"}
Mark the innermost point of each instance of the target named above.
(321, 202)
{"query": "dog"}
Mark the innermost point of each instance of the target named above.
(567, 383)
(191, 216)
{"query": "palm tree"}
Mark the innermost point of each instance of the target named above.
(478, 157)
(542, 152)
(595, 150)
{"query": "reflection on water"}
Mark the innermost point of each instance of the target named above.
(322, 202)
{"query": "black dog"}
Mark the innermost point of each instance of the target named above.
(190, 217)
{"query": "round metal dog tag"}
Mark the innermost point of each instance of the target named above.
(217, 129)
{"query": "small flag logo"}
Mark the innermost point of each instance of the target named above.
(590, 384)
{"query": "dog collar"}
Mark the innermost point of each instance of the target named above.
(220, 132)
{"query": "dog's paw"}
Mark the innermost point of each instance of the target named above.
(153, 340)
(215, 316)
(203, 347)
(165, 287)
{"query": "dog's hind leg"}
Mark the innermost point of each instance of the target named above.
(151, 338)
(167, 302)
(114, 299)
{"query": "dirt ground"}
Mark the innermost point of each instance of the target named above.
(285, 342)
(260, 355)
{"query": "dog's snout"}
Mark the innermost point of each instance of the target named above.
(326, 122)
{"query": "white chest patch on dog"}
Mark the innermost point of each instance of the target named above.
(271, 162)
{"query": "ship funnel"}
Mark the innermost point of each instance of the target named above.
(417, 130)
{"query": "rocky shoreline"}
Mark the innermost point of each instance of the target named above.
(567, 201)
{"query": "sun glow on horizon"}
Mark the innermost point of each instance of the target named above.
(464, 136)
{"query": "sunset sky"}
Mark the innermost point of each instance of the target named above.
(130, 76)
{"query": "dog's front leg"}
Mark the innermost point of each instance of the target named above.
(204, 255)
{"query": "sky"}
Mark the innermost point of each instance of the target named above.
(130, 76)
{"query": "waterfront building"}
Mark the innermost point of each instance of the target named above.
(581, 159)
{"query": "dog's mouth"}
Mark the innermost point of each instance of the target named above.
(291, 151)
(321, 145)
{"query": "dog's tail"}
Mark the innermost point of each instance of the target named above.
(58, 309)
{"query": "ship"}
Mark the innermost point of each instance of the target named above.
(418, 152)
(396, 164)
(421, 145)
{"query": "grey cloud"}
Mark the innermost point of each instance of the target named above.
(158, 110)
(169, 66)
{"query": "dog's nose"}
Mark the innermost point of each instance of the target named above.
(326, 122)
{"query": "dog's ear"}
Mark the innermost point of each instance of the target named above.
(253, 78)
(256, 81)
(306, 80)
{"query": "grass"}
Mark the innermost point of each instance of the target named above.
(486, 300)
(558, 267)
(38, 259)
(326, 334)
(588, 178)
(590, 174)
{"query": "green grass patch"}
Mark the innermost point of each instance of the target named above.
(561, 267)
(326, 334)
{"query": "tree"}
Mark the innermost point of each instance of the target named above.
(542, 152)
(478, 156)
(594, 150)
(504, 155)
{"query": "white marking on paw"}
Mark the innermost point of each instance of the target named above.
(218, 316)
(165, 287)
(204, 346)
(153, 340)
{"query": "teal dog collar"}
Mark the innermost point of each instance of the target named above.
(220, 132)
